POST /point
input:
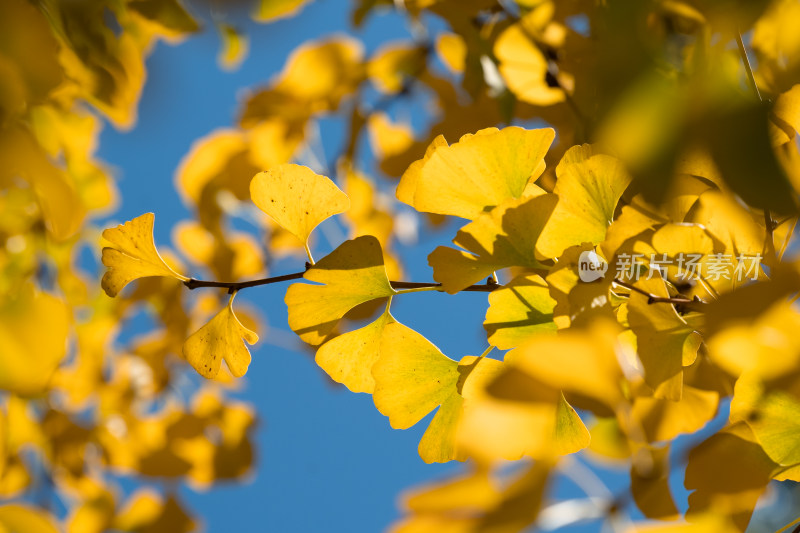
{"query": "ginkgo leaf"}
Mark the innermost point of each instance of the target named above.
(132, 255)
(524, 67)
(393, 63)
(504, 237)
(234, 47)
(221, 338)
(352, 274)
(663, 420)
(589, 185)
(271, 10)
(478, 172)
(297, 198)
(728, 472)
(19, 518)
(772, 414)
(666, 342)
(650, 484)
(582, 363)
(34, 327)
(452, 50)
(412, 377)
(408, 182)
(521, 309)
(348, 358)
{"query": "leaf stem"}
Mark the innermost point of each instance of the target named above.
(417, 289)
(308, 253)
(746, 60)
(486, 352)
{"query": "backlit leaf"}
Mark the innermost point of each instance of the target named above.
(297, 198)
(221, 338)
(521, 309)
(348, 358)
(478, 172)
(504, 237)
(589, 185)
(132, 255)
(33, 340)
(666, 342)
(351, 275)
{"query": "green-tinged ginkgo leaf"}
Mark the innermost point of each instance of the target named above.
(521, 309)
(23, 518)
(772, 414)
(352, 274)
(297, 198)
(478, 172)
(348, 358)
(33, 340)
(728, 472)
(412, 378)
(666, 342)
(589, 185)
(504, 237)
(132, 255)
(221, 338)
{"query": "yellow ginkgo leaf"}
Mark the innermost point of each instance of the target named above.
(132, 255)
(521, 309)
(348, 358)
(666, 342)
(529, 419)
(583, 363)
(33, 340)
(234, 47)
(389, 68)
(408, 182)
(452, 50)
(663, 420)
(772, 414)
(589, 186)
(271, 10)
(412, 378)
(19, 518)
(221, 338)
(524, 67)
(728, 472)
(502, 238)
(352, 274)
(297, 198)
(650, 483)
(478, 172)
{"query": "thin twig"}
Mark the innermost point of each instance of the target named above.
(653, 299)
(192, 284)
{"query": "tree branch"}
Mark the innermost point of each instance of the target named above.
(489, 286)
